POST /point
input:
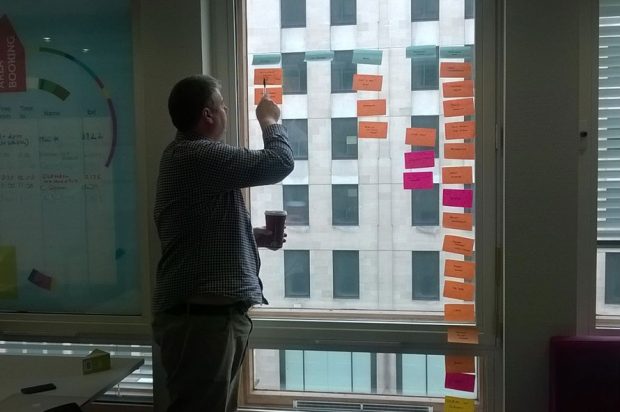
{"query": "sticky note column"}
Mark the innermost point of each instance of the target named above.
(369, 60)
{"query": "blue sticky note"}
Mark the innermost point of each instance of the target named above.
(319, 55)
(455, 52)
(367, 56)
(414, 52)
(262, 59)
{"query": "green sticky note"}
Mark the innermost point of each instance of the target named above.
(319, 55)
(96, 361)
(367, 56)
(413, 52)
(262, 59)
(455, 52)
(8, 272)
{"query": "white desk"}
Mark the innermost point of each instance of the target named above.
(18, 371)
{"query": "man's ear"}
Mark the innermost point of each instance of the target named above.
(207, 114)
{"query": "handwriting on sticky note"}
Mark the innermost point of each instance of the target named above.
(460, 130)
(421, 136)
(452, 69)
(418, 180)
(458, 244)
(458, 197)
(460, 381)
(458, 107)
(370, 82)
(274, 93)
(454, 404)
(457, 175)
(460, 221)
(416, 160)
(373, 107)
(459, 269)
(375, 130)
(454, 312)
(464, 151)
(463, 88)
(462, 334)
(458, 290)
(271, 77)
(460, 364)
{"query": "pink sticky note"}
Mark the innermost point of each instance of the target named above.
(416, 160)
(460, 381)
(418, 180)
(458, 197)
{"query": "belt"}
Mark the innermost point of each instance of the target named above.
(202, 309)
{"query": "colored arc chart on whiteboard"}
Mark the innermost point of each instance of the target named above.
(67, 159)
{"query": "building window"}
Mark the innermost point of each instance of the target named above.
(297, 273)
(346, 274)
(469, 9)
(297, 137)
(343, 12)
(425, 275)
(344, 138)
(427, 122)
(293, 13)
(345, 209)
(425, 72)
(294, 73)
(612, 278)
(425, 207)
(424, 10)
(296, 204)
(343, 70)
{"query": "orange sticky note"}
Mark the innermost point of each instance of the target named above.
(459, 334)
(460, 130)
(458, 107)
(458, 290)
(463, 88)
(460, 364)
(370, 82)
(460, 221)
(275, 94)
(451, 69)
(457, 175)
(374, 107)
(418, 136)
(459, 151)
(376, 130)
(459, 269)
(458, 244)
(459, 312)
(270, 76)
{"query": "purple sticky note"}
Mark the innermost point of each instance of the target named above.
(460, 381)
(40, 279)
(418, 180)
(458, 197)
(416, 160)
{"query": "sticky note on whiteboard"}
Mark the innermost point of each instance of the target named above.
(361, 56)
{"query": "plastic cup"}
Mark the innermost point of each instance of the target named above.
(275, 221)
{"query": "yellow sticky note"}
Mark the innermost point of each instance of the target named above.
(454, 404)
(8, 272)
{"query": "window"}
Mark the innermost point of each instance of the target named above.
(296, 204)
(297, 273)
(293, 13)
(425, 275)
(344, 138)
(469, 9)
(425, 207)
(346, 274)
(343, 70)
(612, 278)
(294, 73)
(427, 122)
(298, 137)
(345, 205)
(422, 10)
(343, 12)
(425, 72)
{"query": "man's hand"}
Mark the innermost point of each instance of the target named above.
(263, 238)
(267, 112)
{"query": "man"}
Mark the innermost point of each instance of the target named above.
(207, 277)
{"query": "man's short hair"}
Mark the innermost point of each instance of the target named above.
(189, 97)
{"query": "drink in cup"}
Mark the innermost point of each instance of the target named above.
(274, 221)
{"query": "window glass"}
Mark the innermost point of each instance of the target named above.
(469, 9)
(296, 273)
(425, 72)
(345, 210)
(425, 267)
(343, 12)
(612, 278)
(422, 10)
(298, 137)
(343, 70)
(425, 207)
(293, 13)
(296, 204)
(346, 274)
(294, 73)
(344, 138)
